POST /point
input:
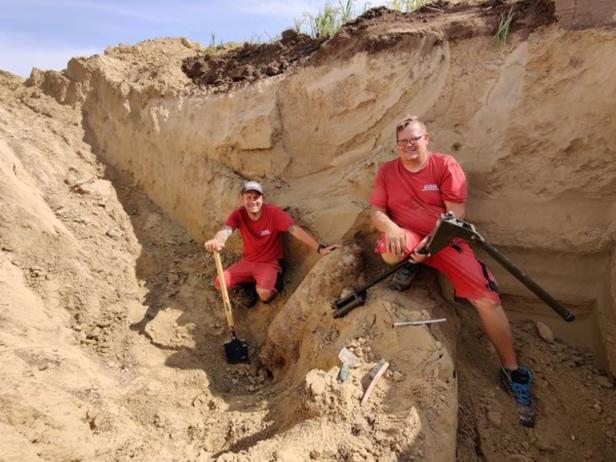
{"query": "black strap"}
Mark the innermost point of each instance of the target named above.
(491, 284)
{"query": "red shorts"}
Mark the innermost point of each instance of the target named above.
(470, 277)
(263, 274)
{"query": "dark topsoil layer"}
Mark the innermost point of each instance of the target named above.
(371, 32)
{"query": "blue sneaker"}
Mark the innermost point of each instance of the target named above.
(517, 383)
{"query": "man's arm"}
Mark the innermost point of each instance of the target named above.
(396, 237)
(301, 234)
(458, 208)
(217, 243)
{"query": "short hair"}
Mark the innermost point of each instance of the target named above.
(410, 120)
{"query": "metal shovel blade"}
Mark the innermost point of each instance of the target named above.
(236, 351)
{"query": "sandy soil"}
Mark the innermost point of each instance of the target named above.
(111, 331)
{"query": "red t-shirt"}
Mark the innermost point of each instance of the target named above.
(262, 238)
(415, 200)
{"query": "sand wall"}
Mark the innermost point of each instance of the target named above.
(574, 14)
(529, 122)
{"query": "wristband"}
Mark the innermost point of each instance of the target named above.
(320, 247)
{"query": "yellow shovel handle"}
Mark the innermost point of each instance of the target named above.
(223, 289)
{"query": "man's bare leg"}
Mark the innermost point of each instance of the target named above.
(496, 326)
(390, 258)
(516, 380)
(494, 321)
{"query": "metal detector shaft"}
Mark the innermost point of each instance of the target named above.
(524, 279)
(357, 297)
(347, 298)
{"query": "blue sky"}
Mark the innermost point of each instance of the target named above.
(46, 34)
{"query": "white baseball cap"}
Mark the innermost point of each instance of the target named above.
(252, 186)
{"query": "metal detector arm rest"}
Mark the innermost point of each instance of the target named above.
(448, 227)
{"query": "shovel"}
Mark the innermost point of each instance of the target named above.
(236, 350)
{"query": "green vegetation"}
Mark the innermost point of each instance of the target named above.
(326, 23)
(406, 6)
(500, 38)
(331, 18)
(347, 11)
(213, 43)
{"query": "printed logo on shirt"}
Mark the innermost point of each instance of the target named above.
(430, 187)
(265, 232)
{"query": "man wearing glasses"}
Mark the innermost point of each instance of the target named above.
(409, 195)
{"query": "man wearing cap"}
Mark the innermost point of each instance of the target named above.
(261, 227)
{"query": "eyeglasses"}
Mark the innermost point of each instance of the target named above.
(412, 140)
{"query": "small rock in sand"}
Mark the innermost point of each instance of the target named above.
(545, 332)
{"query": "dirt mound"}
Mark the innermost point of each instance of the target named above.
(250, 62)
(377, 30)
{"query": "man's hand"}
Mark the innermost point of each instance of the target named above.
(217, 243)
(214, 245)
(306, 238)
(417, 257)
(327, 249)
(396, 240)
